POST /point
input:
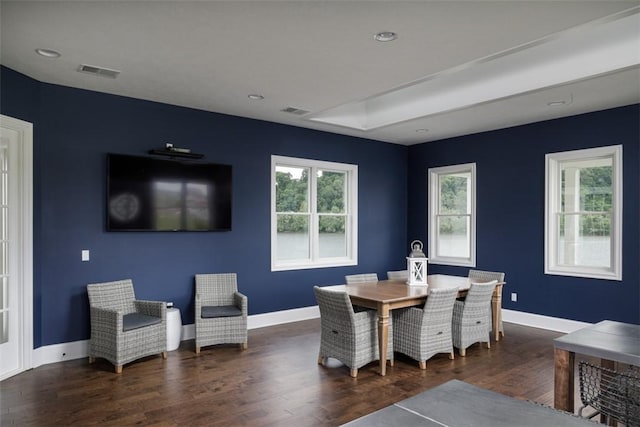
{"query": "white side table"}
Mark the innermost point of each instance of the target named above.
(174, 328)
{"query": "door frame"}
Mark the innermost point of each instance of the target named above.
(25, 220)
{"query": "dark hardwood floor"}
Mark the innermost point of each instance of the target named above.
(276, 382)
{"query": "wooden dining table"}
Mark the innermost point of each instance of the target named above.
(387, 295)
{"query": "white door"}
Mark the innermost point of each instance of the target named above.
(16, 247)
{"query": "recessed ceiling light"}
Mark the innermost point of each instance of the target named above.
(385, 36)
(255, 97)
(48, 53)
(422, 130)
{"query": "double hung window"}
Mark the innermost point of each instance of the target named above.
(313, 213)
(452, 206)
(584, 213)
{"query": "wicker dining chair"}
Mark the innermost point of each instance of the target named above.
(124, 329)
(346, 335)
(398, 275)
(487, 276)
(472, 317)
(613, 394)
(361, 278)
(422, 332)
(220, 311)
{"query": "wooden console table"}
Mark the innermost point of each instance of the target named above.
(608, 340)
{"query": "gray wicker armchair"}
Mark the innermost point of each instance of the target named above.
(220, 311)
(361, 278)
(347, 335)
(124, 329)
(420, 333)
(472, 317)
(487, 276)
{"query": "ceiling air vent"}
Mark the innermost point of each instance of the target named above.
(98, 71)
(294, 110)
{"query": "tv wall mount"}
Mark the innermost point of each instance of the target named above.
(170, 151)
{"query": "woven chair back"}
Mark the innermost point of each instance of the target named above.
(335, 306)
(480, 276)
(361, 278)
(398, 275)
(217, 288)
(117, 295)
(439, 305)
(477, 303)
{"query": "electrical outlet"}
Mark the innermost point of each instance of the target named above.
(85, 255)
(514, 297)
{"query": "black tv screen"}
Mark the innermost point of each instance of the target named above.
(149, 194)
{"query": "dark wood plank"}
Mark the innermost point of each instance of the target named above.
(276, 382)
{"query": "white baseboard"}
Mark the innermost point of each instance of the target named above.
(79, 349)
(285, 316)
(542, 322)
(256, 321)
(60, 352)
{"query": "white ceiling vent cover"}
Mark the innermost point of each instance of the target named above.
(294, 110)
(98, 71)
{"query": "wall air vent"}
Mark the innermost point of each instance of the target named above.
(294, 110)
(98, 71)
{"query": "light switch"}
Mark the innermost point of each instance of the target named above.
(85, 255)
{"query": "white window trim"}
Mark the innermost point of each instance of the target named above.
(351, 222)
(552, 200)
(432, 208)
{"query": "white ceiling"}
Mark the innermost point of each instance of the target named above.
(514, 57)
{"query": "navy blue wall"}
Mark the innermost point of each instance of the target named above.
(510, 211)
(73, 131)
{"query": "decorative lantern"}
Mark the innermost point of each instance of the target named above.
(417, 265)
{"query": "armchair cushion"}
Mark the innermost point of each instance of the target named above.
(213, 311)
(133, 321)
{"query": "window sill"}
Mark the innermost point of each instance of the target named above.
(453, 262)
(308, 266)
(587, 274)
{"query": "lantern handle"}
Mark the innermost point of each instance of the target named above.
(416, 249)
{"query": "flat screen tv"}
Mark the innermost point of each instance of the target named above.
(149, 194)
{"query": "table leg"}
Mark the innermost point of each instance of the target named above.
(496, 307)
(563, 379)
(383, 336)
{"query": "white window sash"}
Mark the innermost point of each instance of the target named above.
(350, 215)
(434, 175)
(553, 213)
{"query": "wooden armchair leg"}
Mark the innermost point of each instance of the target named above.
(463, 352)
(92, 359)
(354, 373)
(423, 365)
(320, 360)
(244, 345)
(118, 369)
(197, 350)
(164, 354)
(452, 356)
